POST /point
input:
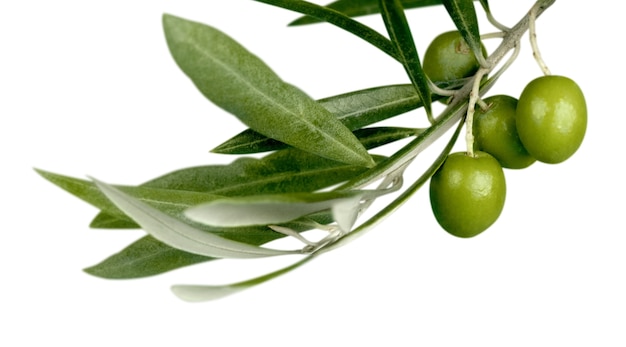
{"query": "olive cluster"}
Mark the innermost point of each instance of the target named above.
(546, 123)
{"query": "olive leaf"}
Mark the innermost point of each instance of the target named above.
(356, 8)
(355, 110)
(463, 14)
(172, 202)
(378, 136)
(288, 170)
(178, 234)
(144, 257)
(338, 19)
(240, 83)
(400, 34)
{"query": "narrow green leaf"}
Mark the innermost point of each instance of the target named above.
(173, 232)
(107, 221)
(169, 201)
(237, 81)
(145, 257)
(400, 34)
(355, 110)
(289, 170)
(463, 14)
(338, 19)
(356, 8)
(248, 142)
(285, 171)
(378, 136)
(267, 209)
(198, 293)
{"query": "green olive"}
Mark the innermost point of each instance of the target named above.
(449, 57)
(467, 193)
(551, 118)
(495, 132)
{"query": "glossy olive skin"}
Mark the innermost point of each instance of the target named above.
(467, 193)
(495, 132)
(448, 57)
(551, 118)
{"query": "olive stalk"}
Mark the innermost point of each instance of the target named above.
(533, 43)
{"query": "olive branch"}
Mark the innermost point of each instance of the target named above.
(318, 173)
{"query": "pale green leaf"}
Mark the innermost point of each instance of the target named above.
(266, 209)
(346, 211)
(199, 293)
(174, 232)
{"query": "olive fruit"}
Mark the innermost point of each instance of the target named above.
(449, 57)
(495, 132)
(551, 118)
(467, 193)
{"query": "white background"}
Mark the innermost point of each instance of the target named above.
(89, 88)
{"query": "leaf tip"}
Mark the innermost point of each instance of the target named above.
(43, 173)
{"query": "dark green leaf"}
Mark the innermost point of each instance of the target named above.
(106, 221)
(248, 142)
(236, 80)
(400, 34)
(368, 137)
(485, 5)
(355, 8)
(378, 136)
(338, 19)
(355, 110)
(463, 14)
